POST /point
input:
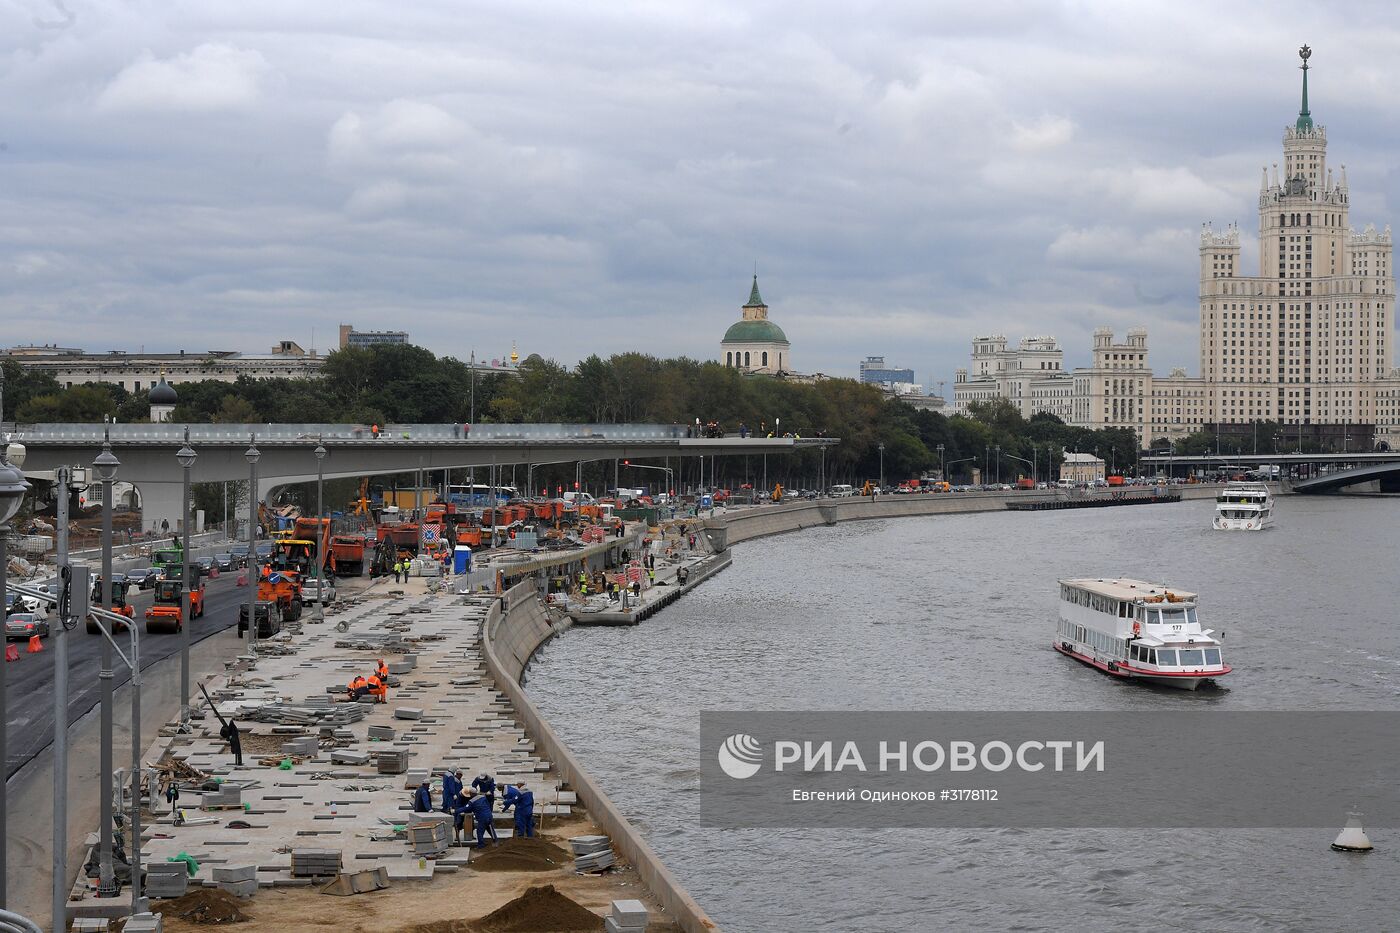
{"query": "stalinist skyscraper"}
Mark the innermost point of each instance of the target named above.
(1306, 340)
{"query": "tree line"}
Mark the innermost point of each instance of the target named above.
(404, 384)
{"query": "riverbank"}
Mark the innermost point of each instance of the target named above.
(737, 525)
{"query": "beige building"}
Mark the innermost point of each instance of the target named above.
(1308, 340)
(138, 372)
(1081, 468)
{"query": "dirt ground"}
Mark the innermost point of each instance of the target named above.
(462, 895)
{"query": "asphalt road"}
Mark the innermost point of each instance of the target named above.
(30, 679)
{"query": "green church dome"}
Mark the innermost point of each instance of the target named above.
(754, 332)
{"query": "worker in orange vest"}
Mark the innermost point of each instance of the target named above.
(358, 687)
(378, 688)
(382, 670)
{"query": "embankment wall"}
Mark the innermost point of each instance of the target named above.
(514, 629)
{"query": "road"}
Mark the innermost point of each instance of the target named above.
(30, 679)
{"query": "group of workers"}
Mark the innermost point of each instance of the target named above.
(478, 801)
(375, 685)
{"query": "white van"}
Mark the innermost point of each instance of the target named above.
(1064, 484)
(841, 490)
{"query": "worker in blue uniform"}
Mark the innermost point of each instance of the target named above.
(524, 803)
(484, 783)
(423, 799)
(480, 808)
(451, 787)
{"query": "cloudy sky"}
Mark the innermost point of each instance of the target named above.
(598, 177)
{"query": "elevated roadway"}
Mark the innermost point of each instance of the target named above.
(147, 451)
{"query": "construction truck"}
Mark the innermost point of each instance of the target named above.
(163, 559)
(279, 600)
(166, 614)
(348, 555)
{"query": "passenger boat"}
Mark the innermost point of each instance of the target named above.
(1244, 507)
(1137, 631)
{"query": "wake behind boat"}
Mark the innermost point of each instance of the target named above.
(1244, 507)
(1137, 631)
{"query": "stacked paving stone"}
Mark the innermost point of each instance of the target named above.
(312, 863)
(592, 853)
(167, 879)
(626, 917)
(239, 880)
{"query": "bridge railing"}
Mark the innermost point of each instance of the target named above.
(310, 432)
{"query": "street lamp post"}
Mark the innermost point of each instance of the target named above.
(322, 532)
(942, 467)
(251, 455)
(998, 464)
(59, 641)
(881, 448)
(12, 489)
(186, 457)
(105, 465)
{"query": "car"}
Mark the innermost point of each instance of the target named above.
(205, 564)
(264, 550)
(322, 591)
(143, 578)
(26, 624)
(225, 561)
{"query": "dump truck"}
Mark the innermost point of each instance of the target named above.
(282, 588)
(166, 613)
(348, 555)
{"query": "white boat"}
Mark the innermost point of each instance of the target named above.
(1244, 507)
(1137, 631)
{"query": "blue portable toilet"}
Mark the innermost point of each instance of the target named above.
(461, 559)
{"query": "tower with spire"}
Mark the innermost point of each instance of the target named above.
(755, 344)
(1305, 341)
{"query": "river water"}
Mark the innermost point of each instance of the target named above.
(957, 612)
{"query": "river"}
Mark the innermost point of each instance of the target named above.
(957, 612)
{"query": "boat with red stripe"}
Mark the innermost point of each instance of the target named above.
(1138, 631)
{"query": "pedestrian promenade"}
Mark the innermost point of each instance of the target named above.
(318, 774)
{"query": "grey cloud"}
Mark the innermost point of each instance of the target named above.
(906, 176)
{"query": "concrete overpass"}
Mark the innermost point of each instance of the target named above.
(147, 451)
(1375, 477)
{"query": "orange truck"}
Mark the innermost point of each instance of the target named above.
(165, 614)
(284, 589)
(1024, 483)
(1115, 481)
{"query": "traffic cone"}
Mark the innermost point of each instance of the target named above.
(11, 652)
(35, 646)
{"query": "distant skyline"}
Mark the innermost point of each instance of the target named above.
(583, 178)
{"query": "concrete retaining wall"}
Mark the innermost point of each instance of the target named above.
(745, 524)
(510, 636)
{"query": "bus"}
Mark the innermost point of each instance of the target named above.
(477, 495)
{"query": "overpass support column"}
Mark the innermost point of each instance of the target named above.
(160, 502)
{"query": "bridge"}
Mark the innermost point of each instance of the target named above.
(1325, 472)
(147, 451)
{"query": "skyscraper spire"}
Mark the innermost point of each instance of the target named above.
(1305, 123)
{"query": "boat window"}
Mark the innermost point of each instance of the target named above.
(1122, 610)
(1213, 657)
(1191, 616)
(1173, 616)
(1191, 657)
(1166, 656)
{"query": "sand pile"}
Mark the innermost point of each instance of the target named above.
(532, 854)
(539, 909)
(205, 906)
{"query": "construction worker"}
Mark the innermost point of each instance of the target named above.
(358, 687)
(485, 784)
(479, 806)
(651, 577)
(377, 688)
(423, 798)
(524, 803)
(398, 570)
(451, 788)
(382, 670)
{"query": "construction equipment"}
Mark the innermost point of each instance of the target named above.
(166, 559)
(777, 495)
(167, 613)
(119, 604)
(282, 588)
(361, 503)
(348, 555)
